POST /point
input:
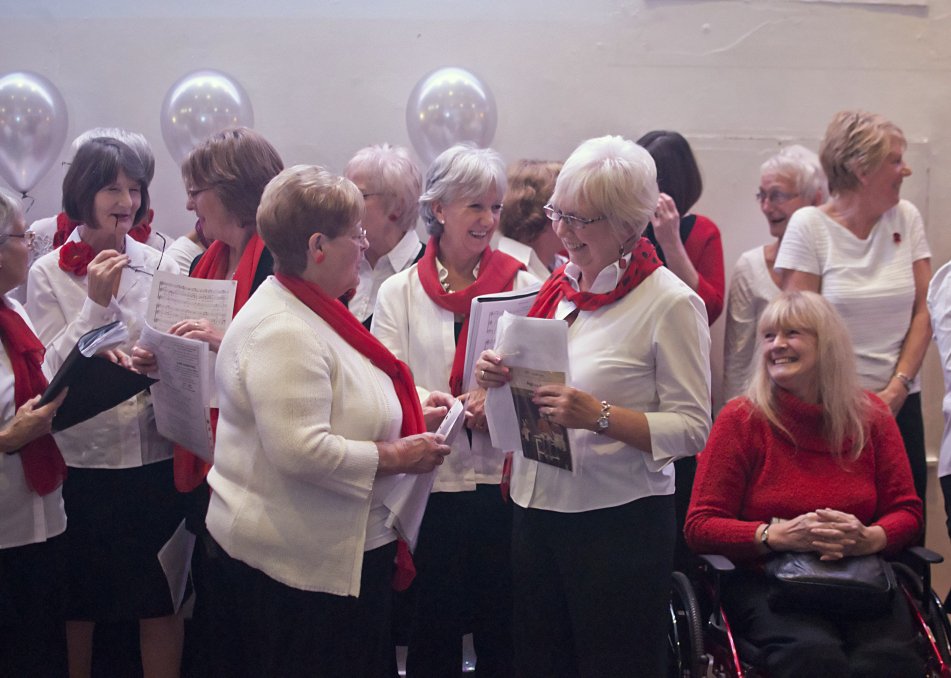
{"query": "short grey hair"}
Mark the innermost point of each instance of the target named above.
(614, 177)
(390, 170)
(462, 171)
(11, 207)
(135, 141)
(802, 168)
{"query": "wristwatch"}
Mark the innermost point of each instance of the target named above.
(604, 419)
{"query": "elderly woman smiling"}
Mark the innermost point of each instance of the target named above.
(317, 419)
(592, 552)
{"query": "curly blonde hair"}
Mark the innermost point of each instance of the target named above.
(856, 142)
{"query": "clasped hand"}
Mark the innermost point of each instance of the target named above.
(833, 534)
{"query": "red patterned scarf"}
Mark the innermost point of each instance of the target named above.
(190, 470)
(496, 274)
(43, 465)
(644, 261)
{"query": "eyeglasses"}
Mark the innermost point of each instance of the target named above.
(28, 237)
(370, 195)
(571, 221)
(193, 193)
(359, 236)
(775, 196)
(142, 269)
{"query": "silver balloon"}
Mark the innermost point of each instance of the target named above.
(448, 106)
(199, 105)
(33, 124)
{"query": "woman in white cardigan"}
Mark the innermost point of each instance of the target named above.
(119, 496)
(317, 421)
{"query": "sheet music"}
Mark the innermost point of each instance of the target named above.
(182, 396)
(175, 556)
(484, 316)
(176, 297)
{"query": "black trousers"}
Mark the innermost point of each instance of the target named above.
(463, 583)
(591, 590)
(270, 629)
(32, 610)
(822, 646)
(912, 429)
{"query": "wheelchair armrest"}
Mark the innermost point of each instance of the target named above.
(719, 564)
(924, 556)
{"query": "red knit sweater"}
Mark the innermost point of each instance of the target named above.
(750, 472)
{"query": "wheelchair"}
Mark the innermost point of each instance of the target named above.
(702, 645)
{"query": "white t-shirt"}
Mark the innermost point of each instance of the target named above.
(939, 303)
(751, 289)
(870, 282)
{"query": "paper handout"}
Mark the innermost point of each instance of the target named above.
(536, 352)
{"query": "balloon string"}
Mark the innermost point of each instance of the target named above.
(26, 195)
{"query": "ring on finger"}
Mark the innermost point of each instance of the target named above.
(483, 375)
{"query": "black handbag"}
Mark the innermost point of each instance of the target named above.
(801, 582)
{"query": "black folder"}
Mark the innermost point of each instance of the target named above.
(95, 384)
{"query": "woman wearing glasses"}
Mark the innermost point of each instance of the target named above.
(317, 422)
(789, 180)
(119, 496)
(592, 550)
(32, 568)
(865, 251)
(462, 559)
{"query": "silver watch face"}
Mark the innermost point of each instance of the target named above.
(602, 423)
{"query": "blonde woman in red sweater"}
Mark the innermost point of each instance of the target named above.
(807, 462)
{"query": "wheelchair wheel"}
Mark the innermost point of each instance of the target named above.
(685, 634)
(940, 627)
(937, 636)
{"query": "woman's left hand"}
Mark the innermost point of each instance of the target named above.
(200, 329)
(666, 220)
(475, 410)
(118, 357)
(893, 395)
(567, 406)
(435, 408)
(839, 534)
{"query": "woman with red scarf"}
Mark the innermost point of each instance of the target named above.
(462, 560)
(31, 478)
(317, 422)
(592, 548)
(119, 496)
(224, 178)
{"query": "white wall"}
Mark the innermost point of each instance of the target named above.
(738, 78)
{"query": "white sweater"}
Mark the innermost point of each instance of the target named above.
(295, 458)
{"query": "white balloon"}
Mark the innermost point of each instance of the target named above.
(33, 123)
(449, 106)
(202, 103)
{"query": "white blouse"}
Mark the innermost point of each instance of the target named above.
(25, 517)
(400, 257)
(58, 303)
(751, 289)
(649, 351)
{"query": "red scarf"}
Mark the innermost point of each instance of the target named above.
(43, 465)
(190, 470)
(65, 226)
(355, 334)
(496, 274)
(643, 262)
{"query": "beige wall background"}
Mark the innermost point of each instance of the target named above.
(738, 78)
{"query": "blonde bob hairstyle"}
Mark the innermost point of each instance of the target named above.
(613, 177)
(856, 142)
(462, 172)
(390, 171)
(299, 202)
(845, 405)
(801, 168)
